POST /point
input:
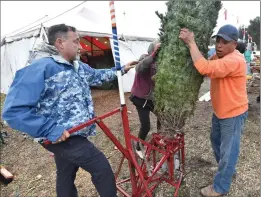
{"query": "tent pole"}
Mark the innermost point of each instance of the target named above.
(92, 46)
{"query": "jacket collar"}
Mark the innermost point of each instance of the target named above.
(60, 59)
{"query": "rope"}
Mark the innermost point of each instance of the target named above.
(52, 18)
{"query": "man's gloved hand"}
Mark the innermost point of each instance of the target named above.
(157, 46)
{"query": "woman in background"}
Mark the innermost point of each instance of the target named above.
(142, 91)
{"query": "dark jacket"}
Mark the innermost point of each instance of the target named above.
(143, 85)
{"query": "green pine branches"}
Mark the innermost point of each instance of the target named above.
(177, 81)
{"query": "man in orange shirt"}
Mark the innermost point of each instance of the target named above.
(227, 71)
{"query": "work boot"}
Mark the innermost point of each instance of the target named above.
(210, 192)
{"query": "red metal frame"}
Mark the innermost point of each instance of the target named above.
(143, 180)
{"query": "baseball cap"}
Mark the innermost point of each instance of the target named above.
(228, 32)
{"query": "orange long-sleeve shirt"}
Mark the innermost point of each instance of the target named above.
(228, 83)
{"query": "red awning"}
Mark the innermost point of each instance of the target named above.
(95, 44)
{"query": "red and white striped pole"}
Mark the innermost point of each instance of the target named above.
(225, 13)
(116, 51)
(126, 128)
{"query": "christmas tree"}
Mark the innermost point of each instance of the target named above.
(177, 81)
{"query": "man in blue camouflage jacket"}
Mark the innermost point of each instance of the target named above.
(52, 95)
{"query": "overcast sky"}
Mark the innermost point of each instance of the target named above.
(16, 14)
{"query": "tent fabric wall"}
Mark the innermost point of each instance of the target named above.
(139, 47)
(130, 51)
(14, 56)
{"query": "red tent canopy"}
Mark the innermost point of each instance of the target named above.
(93, 44)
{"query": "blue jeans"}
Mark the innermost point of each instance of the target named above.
(225, 139)
(78, 152)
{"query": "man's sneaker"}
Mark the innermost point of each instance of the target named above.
(139, 153)
(210, 192)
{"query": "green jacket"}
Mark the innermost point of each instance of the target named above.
(247, 55)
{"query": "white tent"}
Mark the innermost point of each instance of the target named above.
(134, 22)
(93, 19)
(15, 54)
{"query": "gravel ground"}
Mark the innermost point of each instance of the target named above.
(26, 159)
